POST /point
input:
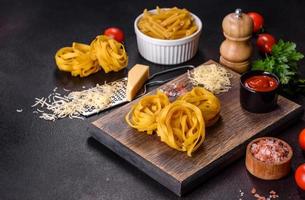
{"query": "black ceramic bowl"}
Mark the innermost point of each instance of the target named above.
(257, 101)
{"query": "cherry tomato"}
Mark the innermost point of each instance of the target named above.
(258, 21)
(299, 176)
(265, 42)
(302, 139)
(115, 33)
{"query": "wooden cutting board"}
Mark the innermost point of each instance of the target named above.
(225, 141)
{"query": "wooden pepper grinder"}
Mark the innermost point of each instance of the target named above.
(236, 50)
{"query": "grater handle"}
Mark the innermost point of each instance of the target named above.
(170, 70)
(163, 81)
(152, 84)
(157, 82)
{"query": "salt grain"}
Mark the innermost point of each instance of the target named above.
(269, 150)
(272, 195)
(272, 192)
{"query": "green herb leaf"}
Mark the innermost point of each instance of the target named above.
(283, 62)
(286, 51)
(264, 65)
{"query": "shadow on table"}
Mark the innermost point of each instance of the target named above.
(65, 80)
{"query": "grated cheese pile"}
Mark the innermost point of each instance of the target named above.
(57, 106)
(214, 78)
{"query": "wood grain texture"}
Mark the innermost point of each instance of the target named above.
(224, 143)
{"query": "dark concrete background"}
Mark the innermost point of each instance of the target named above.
(58, 160)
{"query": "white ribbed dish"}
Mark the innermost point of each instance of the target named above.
(168, 52)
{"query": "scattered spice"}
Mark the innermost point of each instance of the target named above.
(175, 89)
(270, 150)
(272, 195)
(272, 192)
(241, 194)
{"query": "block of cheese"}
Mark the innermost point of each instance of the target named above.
(137, 76)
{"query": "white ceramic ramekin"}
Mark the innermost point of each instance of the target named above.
(168, 52)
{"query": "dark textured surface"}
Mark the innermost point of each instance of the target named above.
(45, 160)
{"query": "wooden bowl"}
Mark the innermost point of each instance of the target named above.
(268, 170)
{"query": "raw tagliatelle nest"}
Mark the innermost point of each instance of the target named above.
(214, 78)
(82, 59)
(180, 124)
(206, 101)
(143, 115)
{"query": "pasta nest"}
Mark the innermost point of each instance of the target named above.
(109, 53)
(206, 101)
(181, 126)
(76, 59)
(143, 115)
(82, 59)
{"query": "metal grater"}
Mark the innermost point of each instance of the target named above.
(119, 97)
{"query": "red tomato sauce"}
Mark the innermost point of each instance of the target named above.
(261, 83)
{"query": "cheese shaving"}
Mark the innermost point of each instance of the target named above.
(57, 106)
(214, 78)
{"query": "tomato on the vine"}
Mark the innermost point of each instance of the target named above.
(258, 21)
(115, 33)
(265, 42)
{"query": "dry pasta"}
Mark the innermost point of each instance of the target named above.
(173, 23)
(82, 59)
(143, 115)
(181, 126)
(76, 59)
(109, 53)
(206, 101)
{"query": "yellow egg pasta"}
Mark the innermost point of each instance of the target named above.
(109, 53)
(173, 23)
(143, 114)
(206, 101)
(82, 59)
(76, 59)
(181, 126)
